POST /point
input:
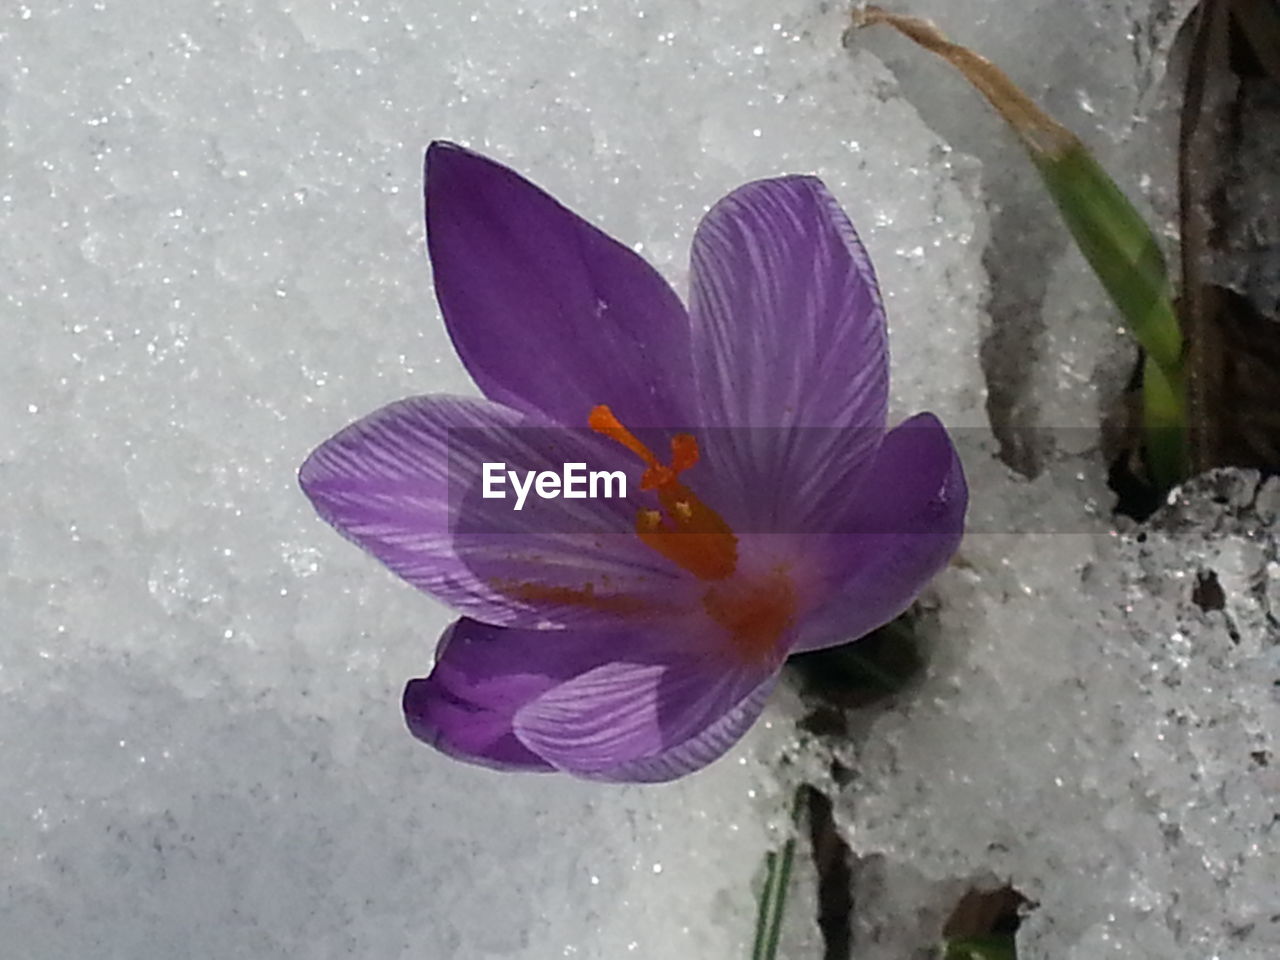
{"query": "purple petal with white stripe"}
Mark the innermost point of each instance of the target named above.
(404, 483)
(704, 747)
(637, 718)
(623, 705)
(790, 341)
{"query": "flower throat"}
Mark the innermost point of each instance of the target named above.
(684, 530)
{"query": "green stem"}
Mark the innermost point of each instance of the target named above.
(773, 898)
(1164, 419)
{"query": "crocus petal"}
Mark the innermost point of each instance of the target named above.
(789, 339)
(405, 484)
(464, 708)
(909, 521)
(550, 314)
(619, 705)
(645, 719)
(697, 751)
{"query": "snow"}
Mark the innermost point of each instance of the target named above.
(1090, 734)
(213, 258)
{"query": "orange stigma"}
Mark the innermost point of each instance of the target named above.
(685, 531)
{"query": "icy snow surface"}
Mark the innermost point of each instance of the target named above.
(212, 258)
(1097, 729)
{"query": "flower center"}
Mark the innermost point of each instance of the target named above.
(755, 611)
(684, 530)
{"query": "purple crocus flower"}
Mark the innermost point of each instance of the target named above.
(637, 639)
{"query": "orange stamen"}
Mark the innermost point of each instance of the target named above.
(755, 613)
(602, 420)
(686, 531)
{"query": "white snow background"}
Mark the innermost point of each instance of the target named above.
(212, 258)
